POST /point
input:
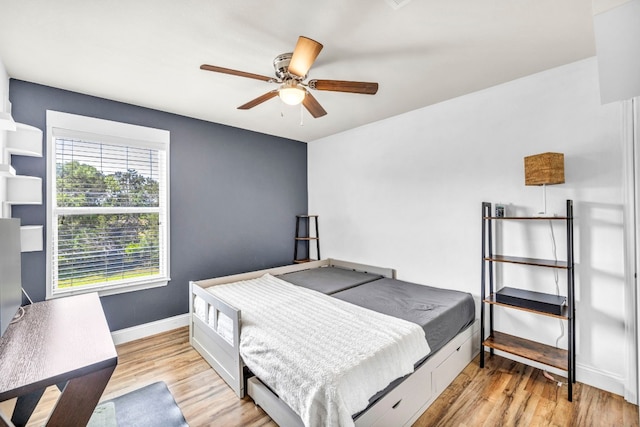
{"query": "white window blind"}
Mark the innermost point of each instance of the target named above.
(109, 211)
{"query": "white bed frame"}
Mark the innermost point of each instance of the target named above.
(400, 406)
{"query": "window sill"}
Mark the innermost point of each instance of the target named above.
(112, 289)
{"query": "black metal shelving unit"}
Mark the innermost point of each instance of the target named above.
(531, 350)
(304, 237)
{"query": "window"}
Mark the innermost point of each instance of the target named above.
(107, 198)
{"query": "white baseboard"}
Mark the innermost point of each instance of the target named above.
(600, 379)
(122, 336)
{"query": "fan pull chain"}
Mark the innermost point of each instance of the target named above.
(301, 115)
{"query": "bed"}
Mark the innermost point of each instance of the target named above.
(370, 391)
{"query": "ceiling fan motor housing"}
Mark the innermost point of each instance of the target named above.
(281, 67)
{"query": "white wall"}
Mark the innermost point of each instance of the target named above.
(406, 193)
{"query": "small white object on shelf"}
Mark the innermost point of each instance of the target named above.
(24, 190)
(25, 141)
(31, 238)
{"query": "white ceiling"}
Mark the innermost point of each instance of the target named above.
(148, 52)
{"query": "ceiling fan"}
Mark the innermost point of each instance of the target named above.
(291, 70)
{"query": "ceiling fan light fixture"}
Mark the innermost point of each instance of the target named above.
(291, 93)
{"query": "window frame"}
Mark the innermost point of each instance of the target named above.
(110, 132)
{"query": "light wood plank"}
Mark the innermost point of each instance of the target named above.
(508, 393)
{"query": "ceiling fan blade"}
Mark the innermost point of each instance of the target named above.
(313, 106)
(367, 88)
(259, 100)
(304, 55)
(234, 72)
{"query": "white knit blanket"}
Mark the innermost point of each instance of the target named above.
(324, 357)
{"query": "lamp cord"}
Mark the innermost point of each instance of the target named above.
(555, 276)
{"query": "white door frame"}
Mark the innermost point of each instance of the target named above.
(630, 112)
(635, 143)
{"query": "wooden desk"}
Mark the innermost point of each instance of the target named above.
(60, 341)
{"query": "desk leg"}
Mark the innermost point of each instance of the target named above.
(79, 398)
(26, 404)
(4, 421)
(24, 408)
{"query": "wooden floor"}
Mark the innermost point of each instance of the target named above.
(504, 394)
(508, 393)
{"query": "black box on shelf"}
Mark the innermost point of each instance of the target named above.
(538, 301)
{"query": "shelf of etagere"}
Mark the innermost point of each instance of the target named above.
(532, 350)
(528, 261)
(492, 300)
(528, 218)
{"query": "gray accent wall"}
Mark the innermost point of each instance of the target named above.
(234, 197)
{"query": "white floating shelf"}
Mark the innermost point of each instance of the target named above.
(31, 238)
(7, 170)
(25, 141)
(6, 122)
(24, 190)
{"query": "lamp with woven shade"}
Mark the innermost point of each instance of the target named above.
(544, 169)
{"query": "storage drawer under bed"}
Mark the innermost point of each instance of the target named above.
(401, 403)
(454, 363)
(404, 404)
